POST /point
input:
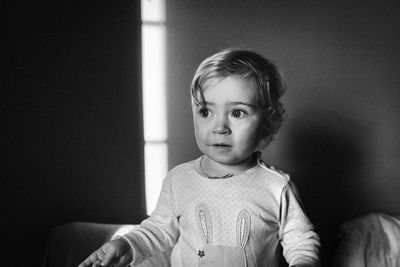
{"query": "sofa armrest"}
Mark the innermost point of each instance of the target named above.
(371, 240)
(71, 243)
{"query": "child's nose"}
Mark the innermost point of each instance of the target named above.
(221, 126)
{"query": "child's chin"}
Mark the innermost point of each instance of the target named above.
(223, 159)
(228, 160)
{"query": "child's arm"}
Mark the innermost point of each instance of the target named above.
(156, 234)
(299, 240)
(117, 252)
(160, 231)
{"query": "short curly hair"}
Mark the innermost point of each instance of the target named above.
(250, 66)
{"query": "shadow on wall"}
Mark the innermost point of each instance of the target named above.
(326, 155)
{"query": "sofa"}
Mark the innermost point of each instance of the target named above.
(370, 240)
(71, 243)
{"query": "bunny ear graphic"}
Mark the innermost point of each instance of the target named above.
(203, 221)
(243, 228)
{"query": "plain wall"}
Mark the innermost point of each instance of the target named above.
(341, 64)
(72, 141)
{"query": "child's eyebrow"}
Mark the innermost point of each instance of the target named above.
(206, 103)
(237, 103)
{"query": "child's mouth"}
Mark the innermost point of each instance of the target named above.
(221, 145)
(222, 148)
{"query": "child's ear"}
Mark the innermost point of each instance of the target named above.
(264, 141)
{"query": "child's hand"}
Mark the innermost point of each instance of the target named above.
(113, 253)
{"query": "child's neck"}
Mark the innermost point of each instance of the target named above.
(214, 169)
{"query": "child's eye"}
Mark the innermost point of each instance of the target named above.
(238, 113)
(204, 112)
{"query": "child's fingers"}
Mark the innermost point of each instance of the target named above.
(105, 261)
(97, 263)
(93, 258)
(107, 256)
(101, 257)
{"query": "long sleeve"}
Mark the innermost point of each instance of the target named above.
(299, 240)
(159, 232)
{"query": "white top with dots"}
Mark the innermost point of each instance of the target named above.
(207, 221)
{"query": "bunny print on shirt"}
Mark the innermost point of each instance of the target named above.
(210, 255)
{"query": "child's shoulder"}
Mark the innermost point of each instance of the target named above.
(271, 173)
(183, 168)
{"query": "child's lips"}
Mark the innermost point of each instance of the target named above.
(222, 147)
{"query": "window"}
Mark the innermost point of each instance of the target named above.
(154, 98)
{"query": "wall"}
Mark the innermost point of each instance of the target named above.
(340, 60)
(72, 133)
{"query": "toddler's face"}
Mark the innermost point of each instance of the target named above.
(228, 127)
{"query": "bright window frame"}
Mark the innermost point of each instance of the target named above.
(154, 98)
